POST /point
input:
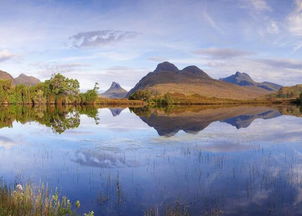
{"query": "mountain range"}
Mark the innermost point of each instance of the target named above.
(21, 79)
(115, 91)
(191, 80)
(243, 79)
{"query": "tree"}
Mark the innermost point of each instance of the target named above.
(5, 90)
(90, 96)
(60, 85)
(143, 95)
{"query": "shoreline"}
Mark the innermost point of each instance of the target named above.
(177, 102)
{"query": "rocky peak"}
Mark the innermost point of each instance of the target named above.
(243, 79)
(115, 91)
(196, 71)
(23, 75)
(166, 66)
(115, 85)
(26, 80)
(243, 76)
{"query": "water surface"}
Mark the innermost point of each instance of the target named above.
(141, 161)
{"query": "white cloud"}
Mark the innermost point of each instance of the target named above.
(294, 24)
(283, 63)
(100, 38)
(47, 69)
(6, 55)
(273, 27)
(259, 5)
(211, 21)
(222, 53)
(157, 59)
(295, 19)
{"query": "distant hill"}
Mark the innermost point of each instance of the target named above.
(26, 80)
(115, 91)
(167, 78)
(21, 79)
(243, 79)
(6, 76)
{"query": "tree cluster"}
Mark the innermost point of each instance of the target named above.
(57, 90)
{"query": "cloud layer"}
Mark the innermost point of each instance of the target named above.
(100, 38)
(260, 37)
(222, 53)
(6, 55)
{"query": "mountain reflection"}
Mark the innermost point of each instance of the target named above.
(116, 111)
(168, 122)
(245, 120)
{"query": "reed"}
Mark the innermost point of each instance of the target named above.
(40, 202)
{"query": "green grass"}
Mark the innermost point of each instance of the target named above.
(30, 202)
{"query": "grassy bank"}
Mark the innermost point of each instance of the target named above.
(154, 99)
(40, 202)
(119, 102)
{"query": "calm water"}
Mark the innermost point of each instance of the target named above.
(196, 161)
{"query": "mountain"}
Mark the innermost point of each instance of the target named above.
(243, 79)
(26, 80)
(21, 79)
(191, 81)
(115, 91)
(6, 76)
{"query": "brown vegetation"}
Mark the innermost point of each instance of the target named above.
(119, 102)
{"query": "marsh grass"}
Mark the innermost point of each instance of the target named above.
(40, 202)
(174, 210)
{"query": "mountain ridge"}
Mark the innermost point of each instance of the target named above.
(243, 79)
(21, 79)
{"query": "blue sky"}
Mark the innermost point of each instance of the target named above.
(105, 41)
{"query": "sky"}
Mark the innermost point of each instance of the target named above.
(122, 40)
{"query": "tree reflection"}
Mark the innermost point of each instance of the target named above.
(58, 118)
